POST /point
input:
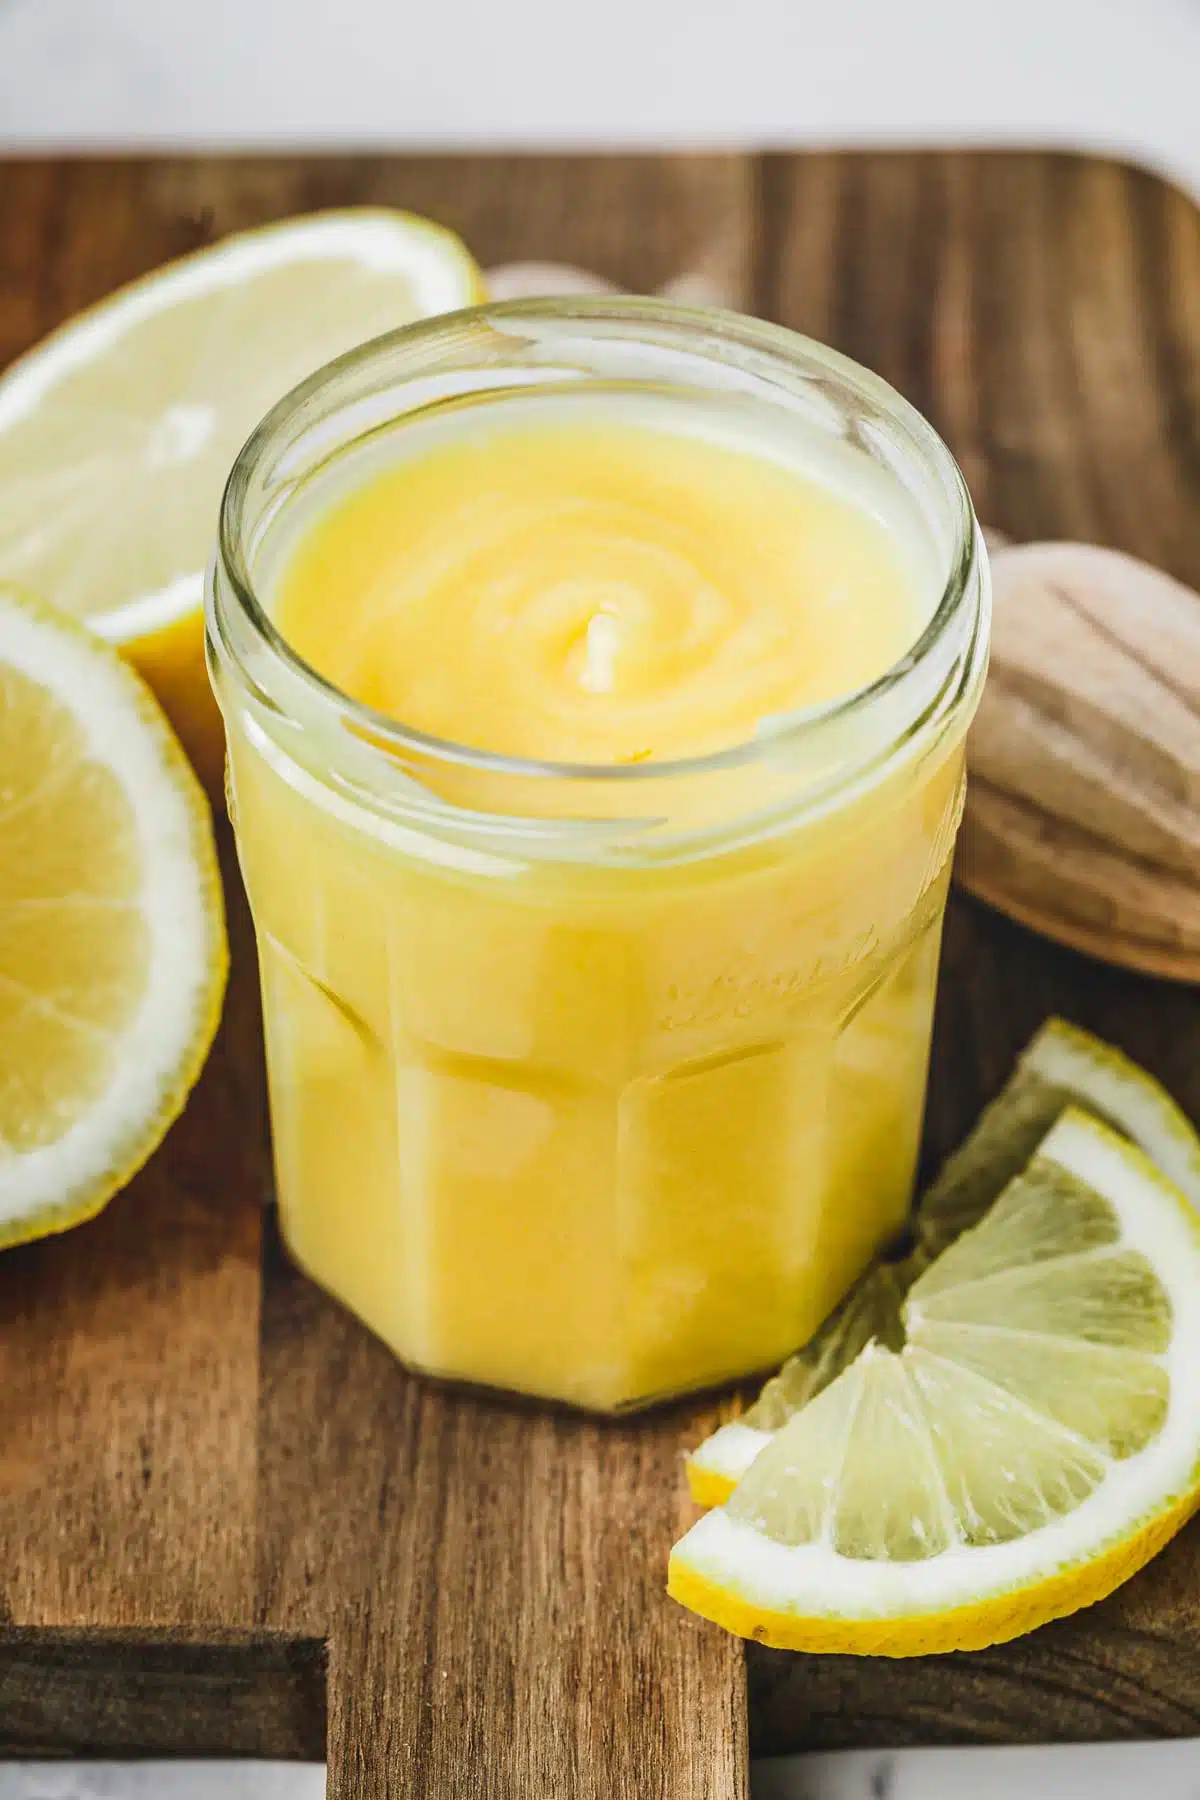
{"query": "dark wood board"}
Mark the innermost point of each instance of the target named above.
(192, 1437)
(167, 1693)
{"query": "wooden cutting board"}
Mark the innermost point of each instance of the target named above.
(212, 1479)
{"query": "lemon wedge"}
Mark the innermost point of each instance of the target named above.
(112, 937)
(1032, 1443)
(1061, 1066)
(118, 430)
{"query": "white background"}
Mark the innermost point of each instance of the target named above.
(1121, 75)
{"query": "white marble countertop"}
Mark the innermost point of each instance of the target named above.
(162, 1781)
(1083, 1772)
(1094, 1772)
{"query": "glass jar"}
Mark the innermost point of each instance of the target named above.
(598, 1084)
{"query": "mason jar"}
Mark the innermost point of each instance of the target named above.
(595, 1083)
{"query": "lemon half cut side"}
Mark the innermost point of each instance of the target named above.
(118, 430)
(112, 938)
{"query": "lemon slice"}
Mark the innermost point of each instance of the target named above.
(117, 431)
(112, 937)
(1034, 1441)
(1061, 1066)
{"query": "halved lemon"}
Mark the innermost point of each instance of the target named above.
(117, 431)
(1034, 1441)
(112, 935)
(1061, 1066)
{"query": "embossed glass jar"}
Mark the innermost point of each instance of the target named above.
(600, 1084)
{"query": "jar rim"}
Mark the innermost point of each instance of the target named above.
(235, 611)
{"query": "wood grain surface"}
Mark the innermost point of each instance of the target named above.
(191, 1435)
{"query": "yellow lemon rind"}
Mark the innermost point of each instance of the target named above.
(732, 1445)
(993, 1620)
(708, 1487)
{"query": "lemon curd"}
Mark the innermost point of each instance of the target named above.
(598, 992)
(597, 588)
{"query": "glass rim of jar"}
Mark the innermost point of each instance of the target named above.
(925, 686)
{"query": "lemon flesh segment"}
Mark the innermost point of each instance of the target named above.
(117, 431)
(1033, 1442)
(112, 941)
(1062, 1066)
